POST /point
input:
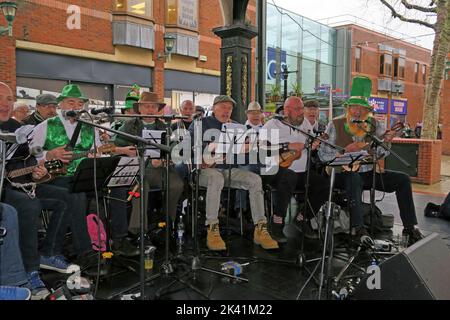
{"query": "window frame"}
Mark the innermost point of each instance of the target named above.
(358, 64)
(176, 24)
(127, 11)
(416, 72)
(424, 73)
(384, 69)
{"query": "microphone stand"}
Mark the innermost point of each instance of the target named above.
(142, 143)
(328, 216)
(374, 146)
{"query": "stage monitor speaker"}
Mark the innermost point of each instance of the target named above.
(420, 272)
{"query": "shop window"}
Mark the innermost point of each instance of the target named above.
(386, 65)
(416, 73)
(182, 14)
(136, 7)
(358, 59)
(401, 68)
(424, 74)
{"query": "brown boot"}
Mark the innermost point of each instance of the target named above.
(214, 240)
(262, 237)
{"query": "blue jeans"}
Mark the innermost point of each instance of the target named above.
(12, 272)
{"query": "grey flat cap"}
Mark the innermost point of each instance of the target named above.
(45, 99)
(223, 98)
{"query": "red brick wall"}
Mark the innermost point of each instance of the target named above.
(8, 62)
(47, 24)
(429, 164)
(210, 16)
(370, 65)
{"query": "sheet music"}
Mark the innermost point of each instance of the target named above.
(125, 173)
(349, 157)
(153, 136)
(232, 138)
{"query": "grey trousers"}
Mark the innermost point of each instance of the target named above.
(215, 179)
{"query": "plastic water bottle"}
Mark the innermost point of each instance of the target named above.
(180, 233)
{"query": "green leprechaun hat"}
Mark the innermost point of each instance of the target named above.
(71, 91)
(361, 91)
(132, 96)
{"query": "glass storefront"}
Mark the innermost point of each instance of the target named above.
(302, 45)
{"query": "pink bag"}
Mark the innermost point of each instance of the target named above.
(93, 224)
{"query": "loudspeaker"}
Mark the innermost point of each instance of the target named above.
(420, 272)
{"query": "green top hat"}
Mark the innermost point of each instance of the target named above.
(132, 96)
(71, 91)
(361, 91)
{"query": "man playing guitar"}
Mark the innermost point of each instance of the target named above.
(293, 177)
(350, 132)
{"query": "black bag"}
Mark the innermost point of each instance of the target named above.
(381, 222)
(442, 211)
(445, 208)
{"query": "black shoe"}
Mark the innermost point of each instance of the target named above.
(276, 230)
(413, 234)
(123, 247)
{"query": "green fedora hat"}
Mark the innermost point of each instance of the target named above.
(71, 91)
(360, 93)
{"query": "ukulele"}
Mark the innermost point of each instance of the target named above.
(54, 168)
(394, 131)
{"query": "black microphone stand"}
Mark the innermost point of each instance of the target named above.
(377, 142)
(142, 143)
(196, 264)
(328, 216)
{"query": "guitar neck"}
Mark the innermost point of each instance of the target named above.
(20, 172)
(80, 155)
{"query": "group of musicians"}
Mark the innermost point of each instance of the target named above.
(62, 138)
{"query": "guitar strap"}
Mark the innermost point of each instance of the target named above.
(75, 135)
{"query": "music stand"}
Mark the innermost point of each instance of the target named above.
(82, 182)
(328, 242)
(142, 143)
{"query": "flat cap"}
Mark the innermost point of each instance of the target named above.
(45, 99)
(223, 98)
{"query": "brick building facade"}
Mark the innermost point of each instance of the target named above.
(398, 70)
(119, 42)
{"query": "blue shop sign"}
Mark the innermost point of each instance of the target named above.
(380, 104)
(399, 106)
(272, 62)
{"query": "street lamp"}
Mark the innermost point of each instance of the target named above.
(169, 44)
(9, 11)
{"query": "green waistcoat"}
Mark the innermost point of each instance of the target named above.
(57, 137)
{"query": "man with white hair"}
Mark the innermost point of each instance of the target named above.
(215, 177)
(20, 111)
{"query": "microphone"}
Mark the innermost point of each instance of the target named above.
(37, 151)
(72, 113)
(107, 110)
(360, 121)
(13, 137)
